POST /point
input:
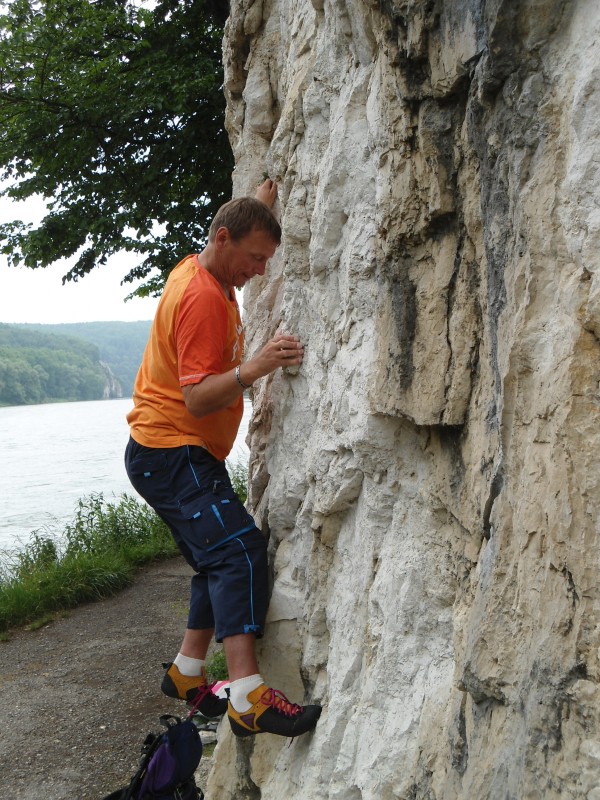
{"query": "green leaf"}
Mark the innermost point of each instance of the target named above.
(114, 114)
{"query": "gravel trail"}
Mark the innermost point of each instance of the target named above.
(78, 696)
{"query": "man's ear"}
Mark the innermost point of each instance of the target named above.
(222, 237)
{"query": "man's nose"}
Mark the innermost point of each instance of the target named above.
(260, 268)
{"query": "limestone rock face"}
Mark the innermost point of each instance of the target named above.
(112, 386)
(429, 478)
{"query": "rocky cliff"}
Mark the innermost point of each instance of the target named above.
(429, 478)
(112, 387)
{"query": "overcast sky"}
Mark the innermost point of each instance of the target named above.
(37, 295)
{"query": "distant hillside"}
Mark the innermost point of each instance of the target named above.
(40, 367)
(120, 344)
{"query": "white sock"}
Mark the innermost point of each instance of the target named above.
(239, 690)
(191, 667)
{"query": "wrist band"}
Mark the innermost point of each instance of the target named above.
(239, 380)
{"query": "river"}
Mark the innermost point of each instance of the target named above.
(54, 454)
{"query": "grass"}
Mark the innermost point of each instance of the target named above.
(208, 749)
(96, 556)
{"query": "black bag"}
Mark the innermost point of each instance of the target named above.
(168, 764)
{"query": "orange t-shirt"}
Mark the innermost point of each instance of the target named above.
(196, 332)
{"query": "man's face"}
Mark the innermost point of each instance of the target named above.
(242, 260)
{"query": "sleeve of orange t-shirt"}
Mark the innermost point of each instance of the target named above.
(200, 334)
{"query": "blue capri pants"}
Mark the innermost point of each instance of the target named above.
(192, 492)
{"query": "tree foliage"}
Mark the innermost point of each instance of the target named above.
(113, 111)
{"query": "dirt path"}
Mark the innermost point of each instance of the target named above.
(78, 697)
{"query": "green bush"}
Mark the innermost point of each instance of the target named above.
(96, 557)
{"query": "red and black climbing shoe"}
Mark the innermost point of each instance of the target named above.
(196, 690)
(272, 712)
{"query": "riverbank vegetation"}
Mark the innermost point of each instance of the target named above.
(95, 556)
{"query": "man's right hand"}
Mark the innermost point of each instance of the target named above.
(216, 392)
(281, 351)
(267, 193)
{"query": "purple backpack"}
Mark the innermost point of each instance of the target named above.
(169, 762)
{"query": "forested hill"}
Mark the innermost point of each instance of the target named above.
(120, 344)
(71, 361)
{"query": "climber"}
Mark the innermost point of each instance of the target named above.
(188, 404)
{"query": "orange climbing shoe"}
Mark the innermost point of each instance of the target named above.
(196, 690)
(272, 712)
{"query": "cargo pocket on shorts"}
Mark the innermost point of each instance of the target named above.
(146, 473)
(216, 518)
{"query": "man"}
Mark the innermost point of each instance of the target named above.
(188, 404)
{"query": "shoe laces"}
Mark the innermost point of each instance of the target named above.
(278, 701)
(203, 690)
